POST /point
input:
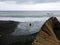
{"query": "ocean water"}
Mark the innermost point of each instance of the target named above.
(29, 13)
(28, 16)
(23, 27)
(36, 18)
(24, 19)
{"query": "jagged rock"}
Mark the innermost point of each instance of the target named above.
(49, 33)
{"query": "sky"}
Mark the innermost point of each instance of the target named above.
(29, 5)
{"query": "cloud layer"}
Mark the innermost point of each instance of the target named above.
(30, 7)
(32, 1)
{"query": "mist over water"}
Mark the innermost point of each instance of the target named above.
(36, 18)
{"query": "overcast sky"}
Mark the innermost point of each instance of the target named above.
(29, 5)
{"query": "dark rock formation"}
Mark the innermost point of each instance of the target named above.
(7, 27)
(49, 34)
(6, 38)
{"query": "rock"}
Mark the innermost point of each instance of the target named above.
(8, 26)
(49, 33)
(6, 37)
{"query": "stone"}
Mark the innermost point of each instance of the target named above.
(49, 33)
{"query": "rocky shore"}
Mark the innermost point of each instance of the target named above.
(6, 28)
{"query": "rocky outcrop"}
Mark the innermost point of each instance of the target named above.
(6, 37)
(7, 27)
(49, 33)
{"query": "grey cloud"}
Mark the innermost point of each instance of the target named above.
(33, 1)
(45, 1)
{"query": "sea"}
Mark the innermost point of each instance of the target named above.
(28, 16)
(36, 18)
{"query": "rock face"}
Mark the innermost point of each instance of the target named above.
(7, 38)
(49, 34)
(6, 28)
